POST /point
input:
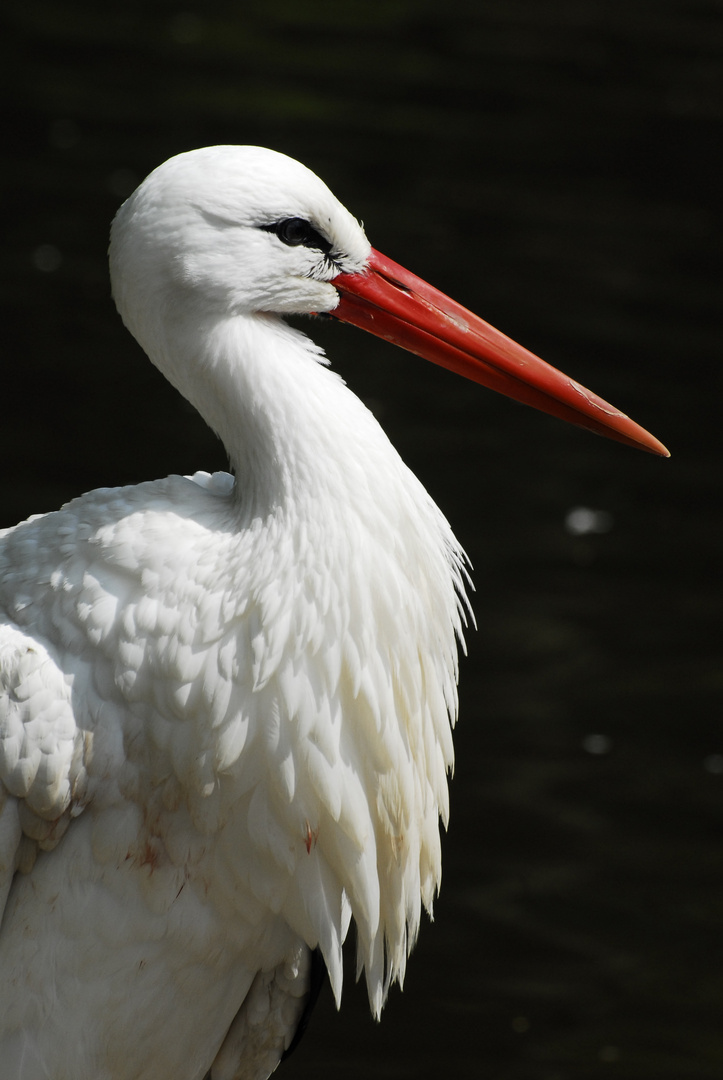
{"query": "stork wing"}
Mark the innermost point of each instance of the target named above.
(42, 754)
(272, 1019)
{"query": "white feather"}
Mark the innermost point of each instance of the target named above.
(236, 695)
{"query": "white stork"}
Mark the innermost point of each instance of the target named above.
(226, 700)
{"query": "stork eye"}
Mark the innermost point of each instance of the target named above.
(296, 232)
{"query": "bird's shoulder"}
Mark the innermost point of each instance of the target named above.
(97, 607)
(127, 541)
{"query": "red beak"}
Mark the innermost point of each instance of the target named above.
(388, 301)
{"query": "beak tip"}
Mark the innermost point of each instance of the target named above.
(646, 441)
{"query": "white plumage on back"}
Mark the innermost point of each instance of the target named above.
(225, 704)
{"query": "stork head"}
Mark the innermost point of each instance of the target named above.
(233, 230)
(239, 230)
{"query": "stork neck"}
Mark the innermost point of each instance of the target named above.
(259, 385)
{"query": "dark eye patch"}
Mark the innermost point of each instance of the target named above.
(297, 232)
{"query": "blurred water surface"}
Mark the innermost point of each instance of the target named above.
(554, 166)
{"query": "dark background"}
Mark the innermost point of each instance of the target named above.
(555, 166)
